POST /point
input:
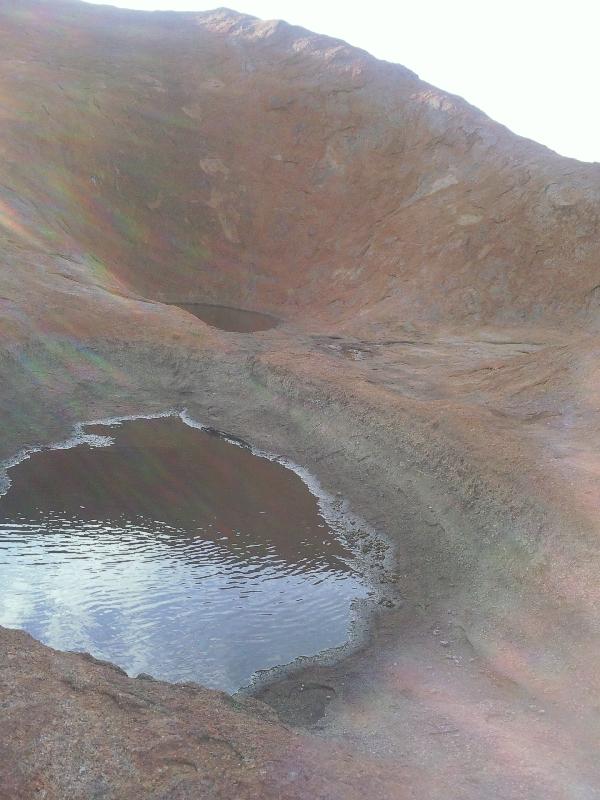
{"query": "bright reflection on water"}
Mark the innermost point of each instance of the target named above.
(171, 552)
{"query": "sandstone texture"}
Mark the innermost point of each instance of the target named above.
(438, 279)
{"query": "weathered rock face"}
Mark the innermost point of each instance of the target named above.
(214, 155)
(142, 738)
(438, 281)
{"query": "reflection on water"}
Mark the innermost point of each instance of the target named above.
(171, 552)
(231, 319)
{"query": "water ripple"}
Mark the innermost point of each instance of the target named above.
(172, 552)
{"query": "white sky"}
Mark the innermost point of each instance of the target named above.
(530, 64)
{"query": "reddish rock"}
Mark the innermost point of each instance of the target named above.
(438, 278)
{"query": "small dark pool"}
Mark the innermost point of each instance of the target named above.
(172, 552)
(231, 319)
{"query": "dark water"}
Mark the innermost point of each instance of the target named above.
(231, 319)
(171, 552)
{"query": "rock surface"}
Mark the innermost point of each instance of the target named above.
(439, 281)
(82, 728)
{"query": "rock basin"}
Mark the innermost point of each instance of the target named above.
(173, 551)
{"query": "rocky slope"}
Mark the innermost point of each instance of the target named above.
(438, 277)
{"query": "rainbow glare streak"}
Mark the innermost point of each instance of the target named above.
(12, 222)
(63, 362)
(113, 230)
(91, 180)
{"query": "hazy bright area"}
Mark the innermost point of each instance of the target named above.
(529, 64)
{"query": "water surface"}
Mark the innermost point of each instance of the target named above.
(227, 318)
(172, 552)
